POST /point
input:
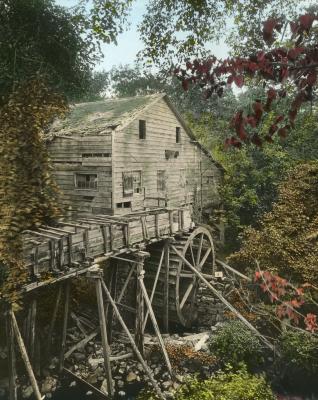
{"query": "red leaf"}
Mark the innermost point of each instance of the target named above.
(268, 28)
(284, 74)
(311, 322)
(283, 132)
(312, 78)
(239, 81)
(306, 21)
(230, 79)
(279, 119)
(294, 53)
(256, 140)
(241, 133)
(185, 84)
(293, 26)
(251, 121)
(272, 129)
(271, 94)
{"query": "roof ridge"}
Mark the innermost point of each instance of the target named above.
(113, 99)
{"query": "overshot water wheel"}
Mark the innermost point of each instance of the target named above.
(195, 248)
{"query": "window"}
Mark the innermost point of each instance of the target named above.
(128, 184)
(86, 181)
(132, 183)
(137, 181)
(161, 180)
(95, 155)
(142, 129)
(178, 134)
(125, 204)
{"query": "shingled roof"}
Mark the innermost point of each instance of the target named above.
(104, 116)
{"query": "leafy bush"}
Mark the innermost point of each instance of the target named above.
(234, 343)
(227, 385)
(298, 361)
(286, 241)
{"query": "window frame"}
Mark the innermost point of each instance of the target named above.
(77, 174)
(131, 175)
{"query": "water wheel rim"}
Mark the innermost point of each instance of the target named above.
(185, 306)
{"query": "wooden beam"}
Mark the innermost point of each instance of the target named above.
(155, 325)
(109, 311)
(153, 291)
(139, 321)
(166, 287)
(25, 357)
(103, 329)
(65, 321)
(224, 301)
(53, 320)
(11, 358)
(133, 344)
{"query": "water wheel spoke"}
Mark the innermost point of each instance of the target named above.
(192, 255)
(199, 249)
(206, 255)
(187, 294)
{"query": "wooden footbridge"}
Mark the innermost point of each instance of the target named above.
(163, 252)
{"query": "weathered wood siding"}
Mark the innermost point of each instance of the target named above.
(83, 155)
(185, 174)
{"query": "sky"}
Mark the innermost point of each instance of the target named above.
(129, 43)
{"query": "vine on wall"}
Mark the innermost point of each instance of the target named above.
(28, 195)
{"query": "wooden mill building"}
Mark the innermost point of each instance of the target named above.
(125, 155)
(131, 175)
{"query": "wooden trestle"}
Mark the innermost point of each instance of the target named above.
(56, 254)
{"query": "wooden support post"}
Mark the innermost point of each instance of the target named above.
(109, 310)
(139, 321)
(65, 320)
(154, 323)
(132, 342)
(103, 329)
(153, 291)
(11, 358)
(104, 233)
(53, 320)
(166, 287)
(25, 357)
(32, 328)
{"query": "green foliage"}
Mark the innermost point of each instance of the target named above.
(234, 343)
(286, 241)
(177, 30)
(299, 353)
(41, 38)
(28, 195)
(226, 385)
(298, 361)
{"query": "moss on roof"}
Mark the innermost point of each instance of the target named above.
(96, 117)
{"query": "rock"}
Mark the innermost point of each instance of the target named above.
(94, 362)
(120, 383)
(48, 385)
(79, 356)
(166, 384)
(73, 383)
(27, 392)
(121, 393)
(131, 377)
